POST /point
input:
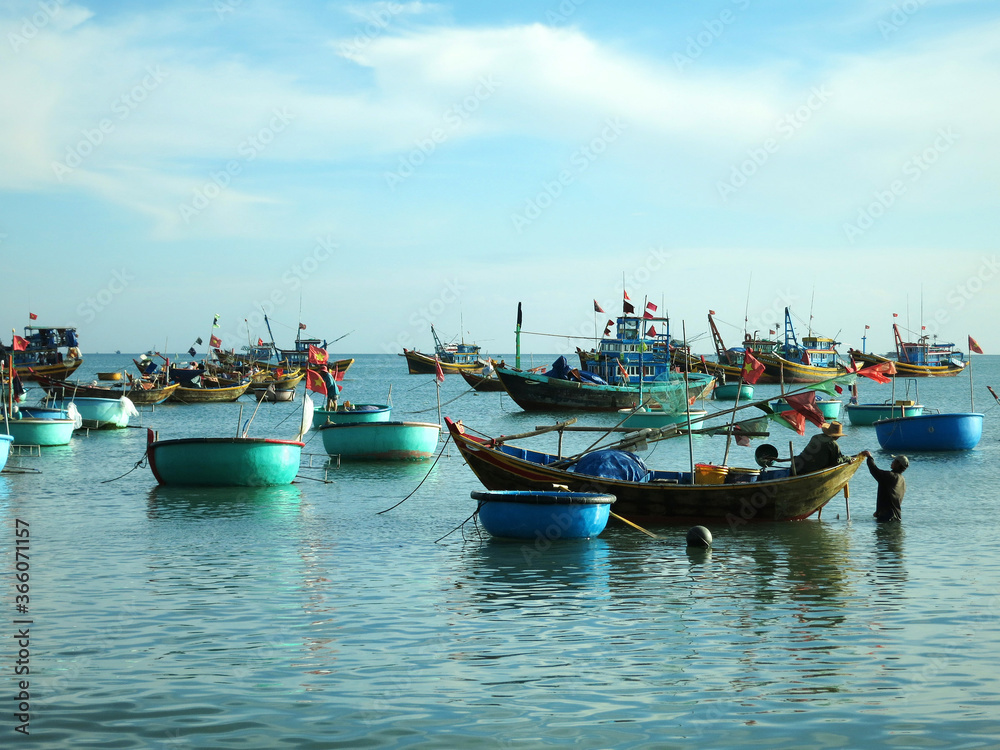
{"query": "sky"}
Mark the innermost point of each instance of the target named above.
(372, 169)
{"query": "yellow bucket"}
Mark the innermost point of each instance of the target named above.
(710, 474)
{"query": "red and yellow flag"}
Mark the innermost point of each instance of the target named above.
(974, 346)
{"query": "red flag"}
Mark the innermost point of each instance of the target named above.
(609, 324)
(318, 356)
(711, 312)
(597, 307)
(647, 314)
(650, 307)
(651, 331)
(895, 315)
(627, 306)
(625, 293)
(20, 344)
(867, 327)
(438, 372)
(607, 332)
(805, 404)
(260, 342)
(805, 357)
(302, 326)
(752, 368)
(623, 370)
(32, 316)
(795, 420)
(215, 341)
(878, 372)
(314, 382)
(974, 346)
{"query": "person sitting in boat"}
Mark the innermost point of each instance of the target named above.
(822, 451)
(891, 487)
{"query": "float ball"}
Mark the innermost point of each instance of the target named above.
(699, 536)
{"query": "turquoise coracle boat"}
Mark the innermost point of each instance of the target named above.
(5, 442)
(729, 392)
(551, 515)
(865, 415)
(39, 431)
(223, 461)
(381, 441)
(350, 413)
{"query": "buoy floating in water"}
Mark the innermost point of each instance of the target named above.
(699, 536)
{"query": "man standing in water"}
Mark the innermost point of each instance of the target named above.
(891, 487)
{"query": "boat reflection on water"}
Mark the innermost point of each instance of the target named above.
(175, 502)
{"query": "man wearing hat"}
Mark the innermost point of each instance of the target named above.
(891, 487)
(822, 450)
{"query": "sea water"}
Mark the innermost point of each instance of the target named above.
(302, 617)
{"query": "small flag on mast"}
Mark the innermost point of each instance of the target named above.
(597, 307)
(32, 316)
(974, 346)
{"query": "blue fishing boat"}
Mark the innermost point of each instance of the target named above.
(348, 413)
(546, 515)
(380, 441)
(930, 432)
(49, 351)
(223, 461)
(451, 358)
(5, 442)
(812, 360)
(925, 357)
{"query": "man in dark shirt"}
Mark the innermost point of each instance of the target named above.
(822, 450)
(891, 487)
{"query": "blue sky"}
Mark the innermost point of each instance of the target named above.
(372, 168)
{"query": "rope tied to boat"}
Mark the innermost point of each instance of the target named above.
(440, 453)
(141, 463)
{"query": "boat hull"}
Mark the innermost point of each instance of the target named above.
(5, 442)
(224, 462)
(208, 395)
(102, 413)
(730, 392)
(543, 515)
(357, 413)
(536, 392)
(422, 364)
(930, 432)
(907, 370)
(660, 502)
(39, 431)
(483, 383)
(60, 371)
(136, 393)
(785, 371)
(865, 415)
(381, 441)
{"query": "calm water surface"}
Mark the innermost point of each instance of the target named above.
(299, 617)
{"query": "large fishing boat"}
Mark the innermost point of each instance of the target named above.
(811, 361)
(452, 358)
(922, 358)
(50, 351)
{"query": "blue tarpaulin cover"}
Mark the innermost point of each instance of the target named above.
(561, 369)
(612, 464)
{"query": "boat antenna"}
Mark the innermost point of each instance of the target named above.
(746, 309)
(517, 339)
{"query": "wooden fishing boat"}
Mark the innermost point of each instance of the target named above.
(348, 413)
(546, 515)
(659, 497)
(534, 391)
(276, 388)
(728, 364)
(116, 375)
(52, 352)
(223, 461)
(380, 441)
(452, 358)
(5, 442)
(139, 392)
(482, 383)
(917, 359)
(865, 415)
(812, 361)
(186, 395)
(930, 432)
